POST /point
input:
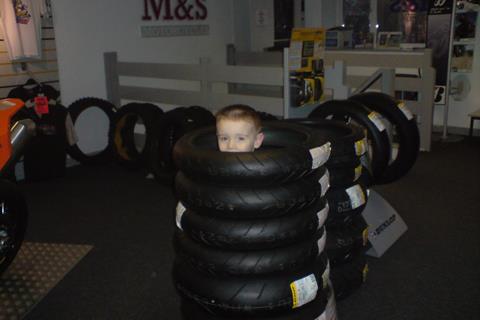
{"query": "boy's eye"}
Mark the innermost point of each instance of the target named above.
(241, 138)
(222, 138)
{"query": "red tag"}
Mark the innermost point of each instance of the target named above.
(41, 105)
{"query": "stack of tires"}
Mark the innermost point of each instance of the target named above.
(391, 131)
(140, 135)
(375, 140)
(250, 231)
(347, 196)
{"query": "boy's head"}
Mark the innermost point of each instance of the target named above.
(238, 129)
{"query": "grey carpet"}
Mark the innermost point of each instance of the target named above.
(432, 272)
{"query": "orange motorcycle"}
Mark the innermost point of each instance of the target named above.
(13, 208)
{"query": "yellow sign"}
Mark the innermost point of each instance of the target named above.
(306, 44)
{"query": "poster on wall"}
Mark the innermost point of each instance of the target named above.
(305, 64)
(462, 57)
(438, 39)
(465, 25)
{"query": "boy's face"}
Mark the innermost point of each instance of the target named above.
(237, 136)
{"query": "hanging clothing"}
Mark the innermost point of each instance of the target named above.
(22, 27)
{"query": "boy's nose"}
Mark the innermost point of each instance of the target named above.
(231, 145)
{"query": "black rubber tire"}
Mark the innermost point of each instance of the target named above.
(341, 208)
(247, 202)
(406, 132)
(13, 222)
(348, 277)
(247, 295)
(123, 135)
(284, 156)
(347, 140)
(255, 233)
(222, 262)
(75, 109)
(345, 243)
(345, 175)
(310, 311)
(347, 110)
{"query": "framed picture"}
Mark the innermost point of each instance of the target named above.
(394, 39)
(389, 40)
(382, 39)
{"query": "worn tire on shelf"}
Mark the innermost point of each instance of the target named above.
(123, 134)
(406, 130)
(347, 110)
(75, 109)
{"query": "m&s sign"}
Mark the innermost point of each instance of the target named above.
(174, 10)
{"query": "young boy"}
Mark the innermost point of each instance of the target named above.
(238, 129)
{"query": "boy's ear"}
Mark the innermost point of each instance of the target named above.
(258, 140)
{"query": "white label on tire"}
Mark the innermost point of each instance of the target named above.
(323, 316)
(358, 172)
(303, 290)
(322, 216)
(326, 275)
(325, 182)
(320, 155)
(376, 118)
(331, 308)
(356, 195)
(180, 210)
(322, 241)
(403, 107)
(361, 146)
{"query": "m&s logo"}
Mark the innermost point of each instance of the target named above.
(174, 10)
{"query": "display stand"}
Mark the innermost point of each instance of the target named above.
(384, 224)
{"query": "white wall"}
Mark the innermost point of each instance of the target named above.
(88, 28)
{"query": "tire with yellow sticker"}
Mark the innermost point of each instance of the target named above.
(405, 132)
(345, 203)
(251, 295)
(349, 111)
(347, 140)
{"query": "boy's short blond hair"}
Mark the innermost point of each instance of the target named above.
(240, 112)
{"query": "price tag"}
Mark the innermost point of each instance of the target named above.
(376, 118)
(324, 182)
(179, 213)
(322, 215)
(356, 195)
(303, 290)
(358, 172)
(320, 155)
(406, 112)
(41, 105)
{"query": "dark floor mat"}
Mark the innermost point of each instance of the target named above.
(37, 268)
